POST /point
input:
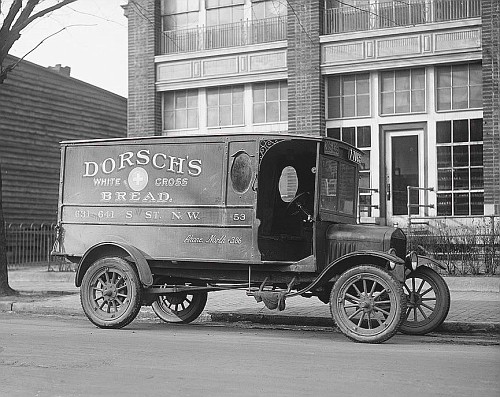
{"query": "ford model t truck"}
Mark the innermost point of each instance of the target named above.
(162, 221)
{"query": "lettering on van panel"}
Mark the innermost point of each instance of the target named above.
(159, 161)
(135, 197)
(192, 216)
(213, 239)
(111, 173)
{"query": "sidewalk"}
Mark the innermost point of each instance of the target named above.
(475, 303)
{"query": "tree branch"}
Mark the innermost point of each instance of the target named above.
(23, 24)
(13, 11)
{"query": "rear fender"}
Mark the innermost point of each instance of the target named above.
(115, 249)
(352, 259)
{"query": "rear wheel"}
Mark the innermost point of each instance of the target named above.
(428, 301)
(180, 307)
(111, 293)
(368, 304)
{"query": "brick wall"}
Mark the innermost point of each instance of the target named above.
(306, 103)
(491, 104)
(144, 104)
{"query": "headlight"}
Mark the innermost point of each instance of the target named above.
(392, 251)
(411, 260)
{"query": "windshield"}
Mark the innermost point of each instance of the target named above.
(337, 186)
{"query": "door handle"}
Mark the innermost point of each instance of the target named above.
(388, 191)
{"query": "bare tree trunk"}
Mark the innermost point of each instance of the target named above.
(5, 289)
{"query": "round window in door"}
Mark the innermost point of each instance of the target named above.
(241, 172)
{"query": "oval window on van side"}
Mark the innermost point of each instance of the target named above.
(288, 184)
(241, 172)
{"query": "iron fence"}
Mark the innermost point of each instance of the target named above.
(379, 15)
(465, 245)
(224, 36)
(30, 243)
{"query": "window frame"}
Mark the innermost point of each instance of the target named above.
(282, 101)
(341, 97)
(232, 105)
(447, 166)
(175, 110)
(439, 89)
(395, 92)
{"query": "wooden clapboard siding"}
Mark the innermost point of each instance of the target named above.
(38, 109)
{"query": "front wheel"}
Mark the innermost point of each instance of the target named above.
(180, 307)
(111, 293)
(368, 304)
(427, 299)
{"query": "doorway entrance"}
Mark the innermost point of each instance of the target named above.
(404, 164)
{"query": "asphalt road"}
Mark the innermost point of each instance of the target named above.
(64, 356)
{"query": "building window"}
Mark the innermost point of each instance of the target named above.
(360, 137)
(180, 109)
(225, 106)
(402, 91)
(460, 167)
(348, 96)
(262, 9)
(459, 87)
(221, 12)
(179, 14)
(270, 102)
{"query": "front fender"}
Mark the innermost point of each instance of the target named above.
(351, 259)
(117, 249)
(428, 261)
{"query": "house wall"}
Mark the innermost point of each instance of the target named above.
(38, 109)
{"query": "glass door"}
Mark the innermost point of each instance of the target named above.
(404, 167)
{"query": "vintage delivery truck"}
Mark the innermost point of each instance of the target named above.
(162, 221)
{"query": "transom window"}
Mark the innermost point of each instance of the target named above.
(225, 106)
(180, 109)
(270, 102)
(459, 87)
(402, 91)
(349, 95)
(460, 167)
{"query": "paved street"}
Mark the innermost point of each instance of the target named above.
(63, 356)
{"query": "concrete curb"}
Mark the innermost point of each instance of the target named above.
(450, 327)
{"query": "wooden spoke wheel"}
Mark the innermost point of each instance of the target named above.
(180, 307)
(427, 300)
(111, 292)
(367, 304)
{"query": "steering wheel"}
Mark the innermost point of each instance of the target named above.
(300, 202)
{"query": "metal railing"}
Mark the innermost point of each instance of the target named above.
(29, 243)
(381, 15)
(224, 36)
(465, 244)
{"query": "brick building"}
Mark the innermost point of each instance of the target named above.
(412, 83)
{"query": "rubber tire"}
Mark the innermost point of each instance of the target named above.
(395, 294)
(441, 308)
(128, 283)
(187, 315)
